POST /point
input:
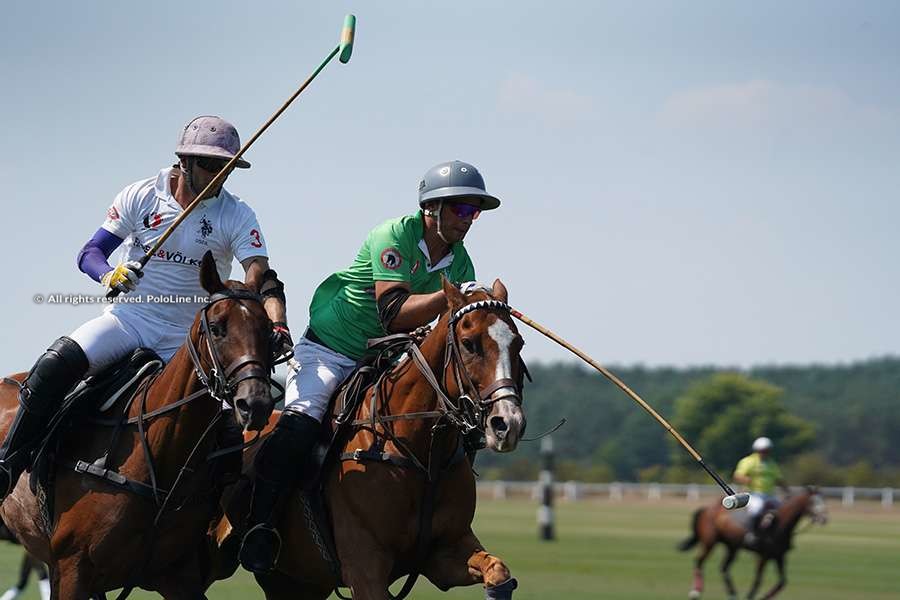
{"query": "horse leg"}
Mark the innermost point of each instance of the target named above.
(70, 580)
(697, 589)
(726, 575)
(24, 572)
(367, 570)
(757, 579)
(467, 563)
(43, 576)
(278, 586)
(782, 580)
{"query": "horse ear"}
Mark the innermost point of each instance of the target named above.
(499, 292)
(209, 274)
(455, 299)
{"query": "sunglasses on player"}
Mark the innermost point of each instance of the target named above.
(463, 210)
(212, 165)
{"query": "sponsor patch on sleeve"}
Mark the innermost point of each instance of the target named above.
(112, 214)
(391, 259)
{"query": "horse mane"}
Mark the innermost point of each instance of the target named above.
(793, 509)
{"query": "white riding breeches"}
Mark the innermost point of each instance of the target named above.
(310, 385)
(757, 502)
(109, 338)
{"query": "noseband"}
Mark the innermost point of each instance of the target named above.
(220, 381)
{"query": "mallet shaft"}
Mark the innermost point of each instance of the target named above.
(345, 46)
(606, 373)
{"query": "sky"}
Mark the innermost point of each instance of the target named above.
(708, 183)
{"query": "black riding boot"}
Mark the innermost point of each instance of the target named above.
(52, 376)
(277, 464)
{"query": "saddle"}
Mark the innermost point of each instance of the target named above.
(382, 355)
(90, 399)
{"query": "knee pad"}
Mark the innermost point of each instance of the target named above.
(53, 375)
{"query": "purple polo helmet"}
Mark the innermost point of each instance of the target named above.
(210, 136)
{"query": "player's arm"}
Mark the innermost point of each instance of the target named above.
(741, 474)
(401, 311)
(93, 258)
(258, 272)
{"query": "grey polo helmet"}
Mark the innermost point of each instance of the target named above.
(458, 181)
(210, 136)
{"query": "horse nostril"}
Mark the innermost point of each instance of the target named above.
(498, 424)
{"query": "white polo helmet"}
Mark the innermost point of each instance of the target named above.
(761, 444)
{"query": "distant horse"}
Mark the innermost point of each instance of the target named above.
(28, 566)
(713, 524)
(401, 496)
(139, 518)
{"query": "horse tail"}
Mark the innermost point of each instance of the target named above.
(690, 542)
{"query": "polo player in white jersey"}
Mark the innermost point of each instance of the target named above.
(160, 315)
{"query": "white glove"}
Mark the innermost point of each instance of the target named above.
(124, 277)
(468, 287)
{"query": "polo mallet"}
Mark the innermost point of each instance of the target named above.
(731, 500)
(344, 48)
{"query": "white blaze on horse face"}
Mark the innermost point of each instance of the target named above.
(501, 333)
(509, 411)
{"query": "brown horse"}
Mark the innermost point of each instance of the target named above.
(713, 524)
(402, 496)
(101, 536)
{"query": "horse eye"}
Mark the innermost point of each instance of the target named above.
(217, 329)
(469, 345)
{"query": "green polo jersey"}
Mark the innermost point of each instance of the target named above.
(343, 311)
(763, 474)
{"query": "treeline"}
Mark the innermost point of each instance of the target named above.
(832, 425)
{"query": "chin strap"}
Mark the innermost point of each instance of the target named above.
(437, 216)
(187, 173)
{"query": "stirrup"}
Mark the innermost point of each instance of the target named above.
(253, 563)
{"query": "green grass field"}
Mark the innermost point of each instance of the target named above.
(626, 551)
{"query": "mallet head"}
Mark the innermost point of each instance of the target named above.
(347, 35)
(736, 501)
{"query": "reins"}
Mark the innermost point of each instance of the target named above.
(467, 414)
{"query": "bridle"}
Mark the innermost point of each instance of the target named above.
(220, 382)
(472, 402)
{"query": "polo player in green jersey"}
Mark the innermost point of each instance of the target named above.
(760, 473)
(393, 285)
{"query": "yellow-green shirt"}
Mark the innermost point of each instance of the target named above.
(763, 474)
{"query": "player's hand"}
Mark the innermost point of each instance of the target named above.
(282, 344)
(124, 277)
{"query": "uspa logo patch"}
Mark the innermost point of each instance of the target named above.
(391, 259)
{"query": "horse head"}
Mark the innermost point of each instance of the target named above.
(484, 346)
(815, 505)
(233, 335)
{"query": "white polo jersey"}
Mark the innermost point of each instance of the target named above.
(169, 293)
